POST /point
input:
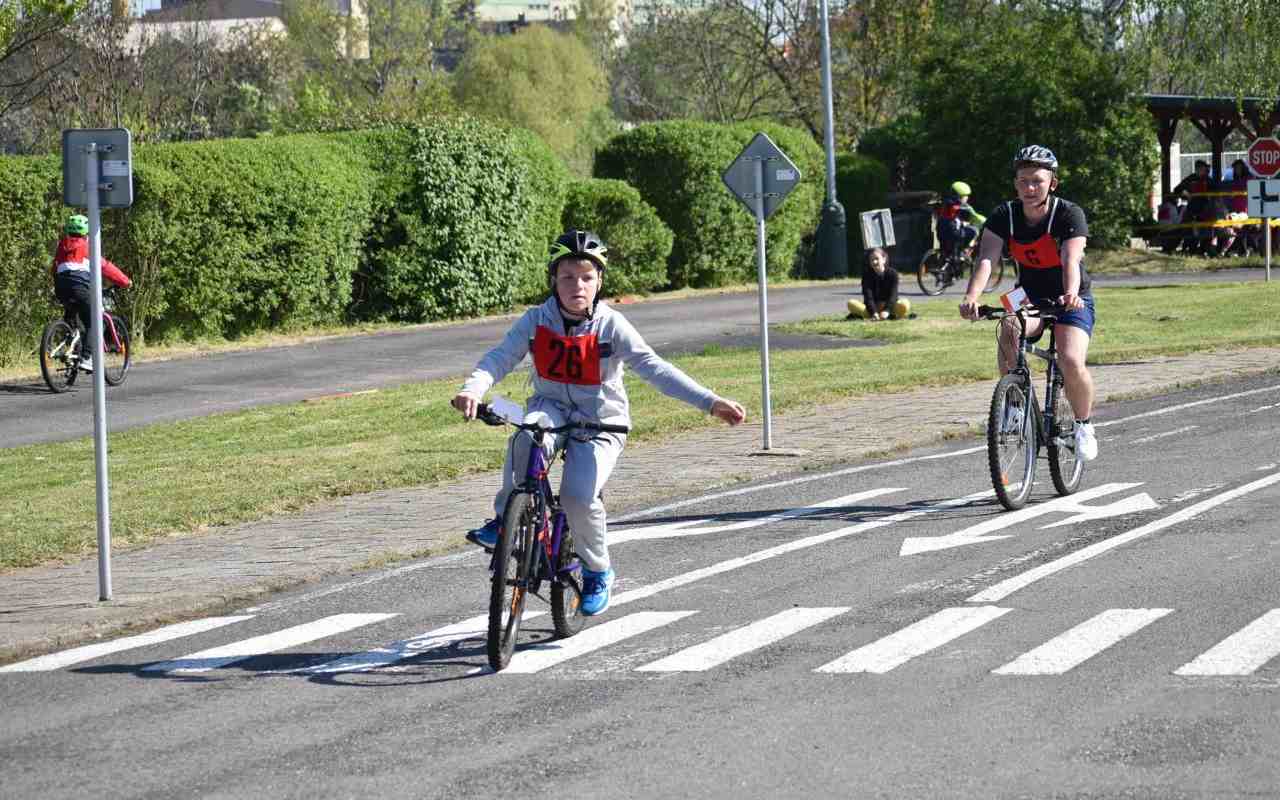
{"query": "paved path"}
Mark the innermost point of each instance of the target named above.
(44, 609)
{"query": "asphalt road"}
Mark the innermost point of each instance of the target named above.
(181, 389)
(880, 630)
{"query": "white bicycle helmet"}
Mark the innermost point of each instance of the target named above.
(1033, 155)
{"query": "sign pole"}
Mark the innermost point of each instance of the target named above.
(764, 304)
(1266, 234)
(99, 383)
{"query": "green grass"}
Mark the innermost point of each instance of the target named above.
(190, 476)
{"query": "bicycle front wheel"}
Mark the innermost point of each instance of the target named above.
(1011, 441)
(566, 592)
(1065, 467)
(932, 273)
(116, 352)
(512, 567)
(58, 364)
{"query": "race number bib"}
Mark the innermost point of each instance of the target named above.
(566, 359)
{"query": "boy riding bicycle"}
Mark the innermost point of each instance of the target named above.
(73, 285)
(579, 347)
(958, 222)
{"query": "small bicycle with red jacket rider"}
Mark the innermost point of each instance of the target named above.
(66, 348)
(957, 225)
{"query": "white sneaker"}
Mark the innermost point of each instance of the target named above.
(1086, 442)
(86, 364)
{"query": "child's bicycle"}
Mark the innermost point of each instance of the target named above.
(60, 347)
(534, 545)
(943, 266)
(1016, 427)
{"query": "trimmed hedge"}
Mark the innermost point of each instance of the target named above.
(31, 217)
(451, 222)
(862, 184)
(639, 243)
(676, 167)
(232, 236)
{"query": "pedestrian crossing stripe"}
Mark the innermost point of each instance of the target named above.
(1240, 654)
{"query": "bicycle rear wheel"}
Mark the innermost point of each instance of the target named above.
(932, 273)
(116, 352)
(58, 364)
(1064, 467)
(1012, 441)
(566, 592)
(512, 565)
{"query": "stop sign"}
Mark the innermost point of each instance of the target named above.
(1263, 157)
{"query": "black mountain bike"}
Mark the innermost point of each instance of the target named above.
(1017, 427)
(60, 348)
(941, 267)
(534, 546)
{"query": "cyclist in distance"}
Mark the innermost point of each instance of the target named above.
(1046, 236)
(958, 223)
(73, 285)
(579, 346)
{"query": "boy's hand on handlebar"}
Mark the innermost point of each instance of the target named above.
(1071, 302)
(969, 308)
(728, 410)
(466, 403)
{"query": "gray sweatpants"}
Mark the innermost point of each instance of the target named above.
(588, 464)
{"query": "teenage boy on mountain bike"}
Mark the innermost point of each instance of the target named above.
(1046, 236)
(73, 285)
(578, 347)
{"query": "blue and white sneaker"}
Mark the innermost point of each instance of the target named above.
(596, 588)
(486, 535)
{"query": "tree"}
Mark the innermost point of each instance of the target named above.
(380, 67)
(1036, 78)
(24, 25)
(538, 79)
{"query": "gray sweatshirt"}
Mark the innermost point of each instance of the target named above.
(581, 373)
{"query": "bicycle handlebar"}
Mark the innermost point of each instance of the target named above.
(1035, 310)
(489, 418)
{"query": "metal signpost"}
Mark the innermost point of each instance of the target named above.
(1264, 202)
(761, 177)
(97, 172)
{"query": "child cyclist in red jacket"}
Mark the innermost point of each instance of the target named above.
(73, 284)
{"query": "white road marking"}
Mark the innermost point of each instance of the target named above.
(91, 651)
(1242, 652)
(790, 547)
(268, 643)
(1007, 587)
(688, 527)
(472, 628)
(1183, 406)
(794, 482)
(1173, 432)
(541, 656)
(1071, 504)
(916, 639)
(476, 552)
(1082, 642)
(743, 640)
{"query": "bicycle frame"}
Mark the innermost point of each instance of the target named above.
(1044, 418)
(551, 519)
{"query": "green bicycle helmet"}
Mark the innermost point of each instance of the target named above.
(961, 189)
(78, 225)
